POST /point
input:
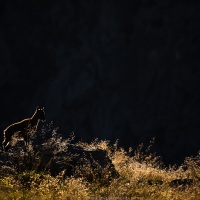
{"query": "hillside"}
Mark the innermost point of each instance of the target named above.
(41, 171)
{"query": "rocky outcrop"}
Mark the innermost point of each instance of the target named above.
(92, 164)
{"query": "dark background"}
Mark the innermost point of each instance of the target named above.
(126, 70)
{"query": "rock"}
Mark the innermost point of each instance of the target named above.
(181, 182)
(92, 164)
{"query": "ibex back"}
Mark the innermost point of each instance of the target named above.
(23, 127)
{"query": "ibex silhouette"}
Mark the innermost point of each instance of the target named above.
(23, 128)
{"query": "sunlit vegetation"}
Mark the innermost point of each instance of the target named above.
(29, 172)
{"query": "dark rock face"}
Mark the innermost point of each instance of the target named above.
(92, 164)
(112, 70)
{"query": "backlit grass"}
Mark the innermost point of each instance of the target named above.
(25, 173)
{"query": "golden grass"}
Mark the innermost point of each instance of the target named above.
(141, 176)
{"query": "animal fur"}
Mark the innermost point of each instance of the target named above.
(23, 128)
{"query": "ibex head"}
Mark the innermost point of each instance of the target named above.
(40, 113)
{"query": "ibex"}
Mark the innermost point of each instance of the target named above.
(23, 128)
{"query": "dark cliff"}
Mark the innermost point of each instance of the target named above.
(108, 69)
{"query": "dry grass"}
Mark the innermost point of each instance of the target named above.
(142, 175)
